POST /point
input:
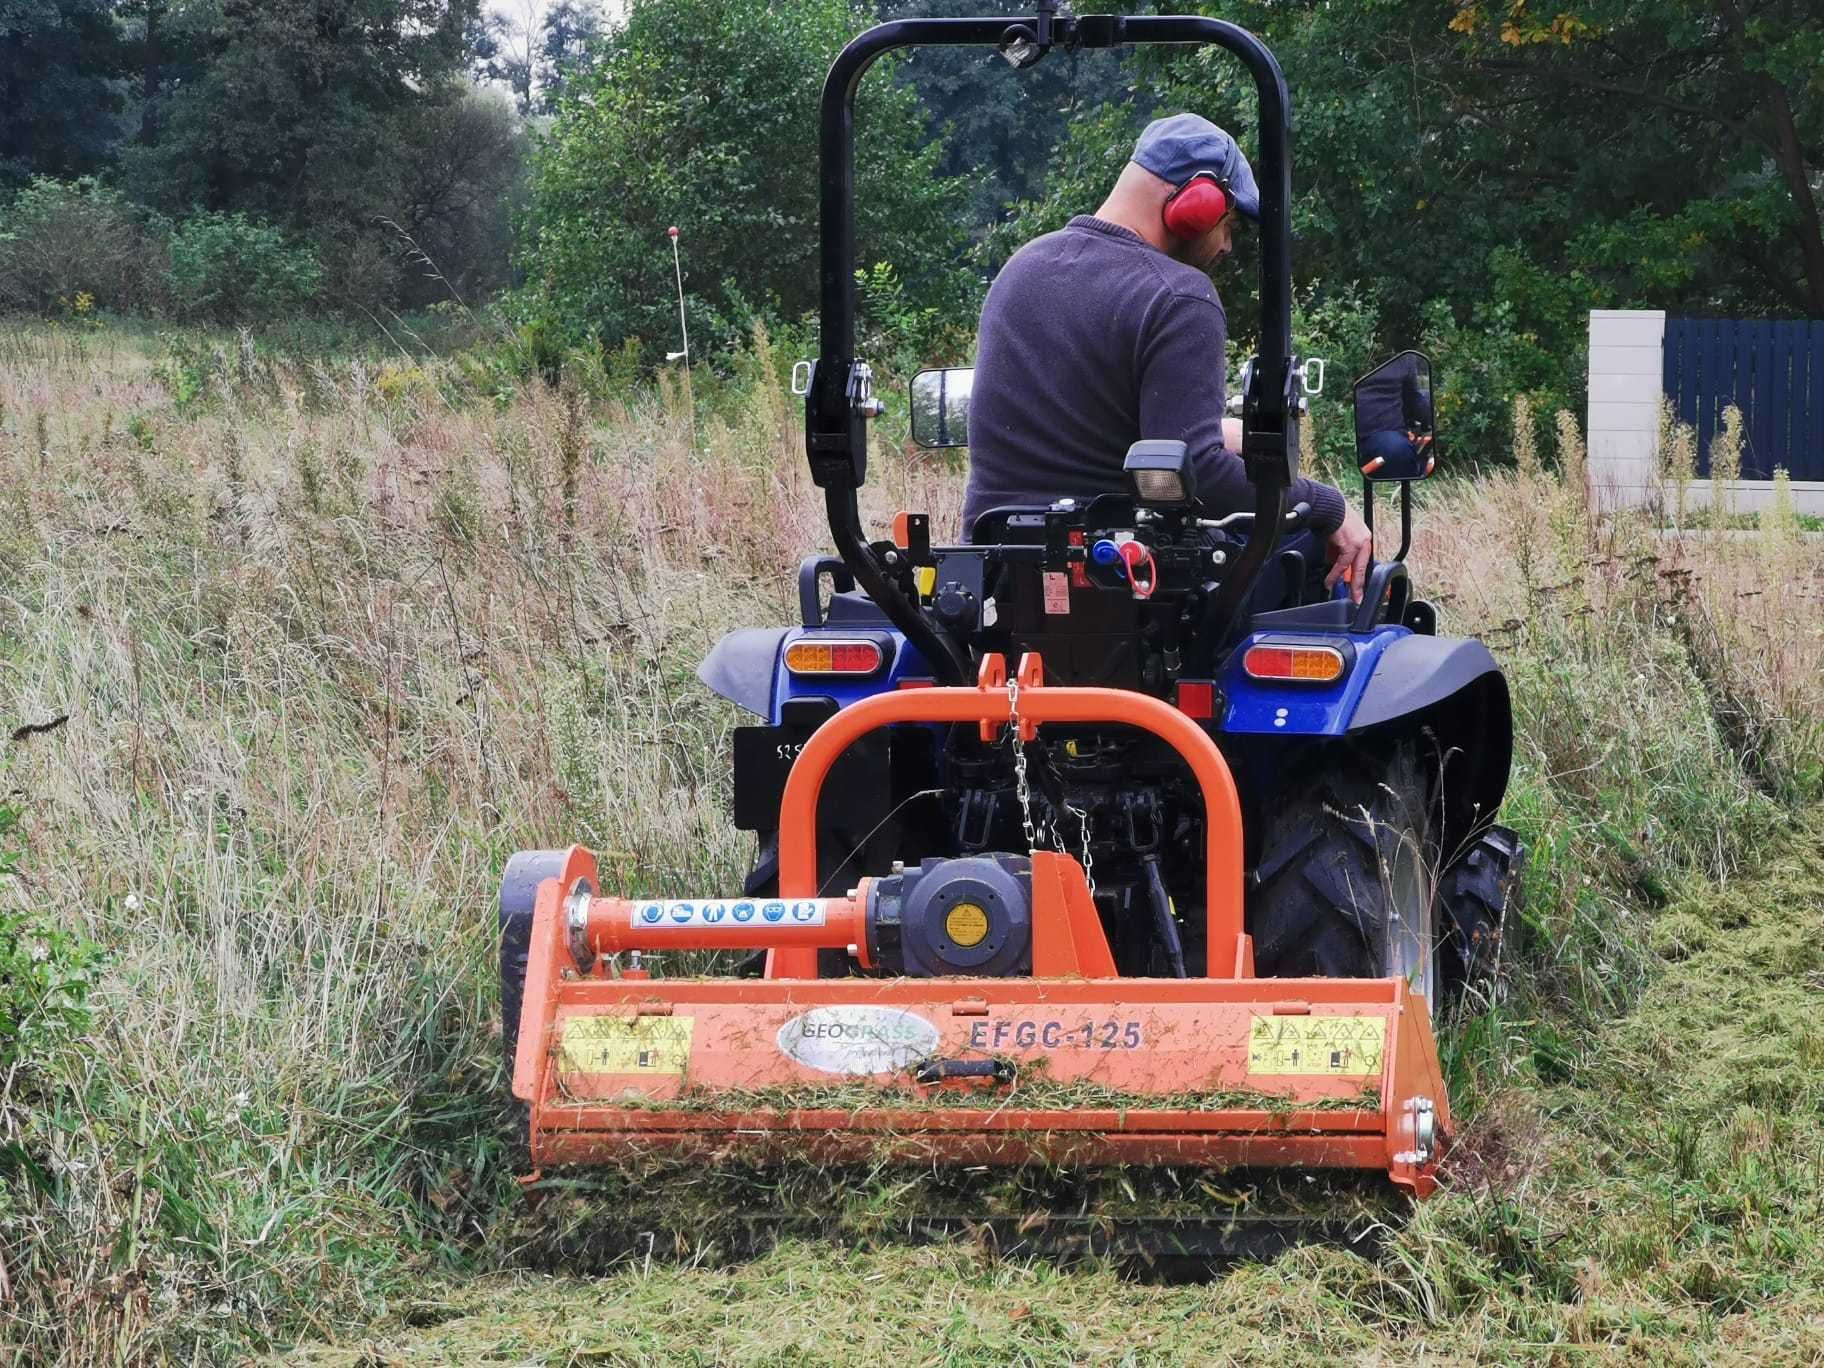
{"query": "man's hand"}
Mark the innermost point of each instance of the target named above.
(1349, 548)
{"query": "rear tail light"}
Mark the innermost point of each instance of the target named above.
(834, 657)
(1197, 698)
(1303, 664)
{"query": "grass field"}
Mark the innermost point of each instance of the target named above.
(294, 652)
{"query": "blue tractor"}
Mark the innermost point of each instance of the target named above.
(1370, 753)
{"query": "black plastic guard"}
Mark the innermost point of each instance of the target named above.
(1450, 689)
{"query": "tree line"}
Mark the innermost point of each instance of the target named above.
(1474, 175)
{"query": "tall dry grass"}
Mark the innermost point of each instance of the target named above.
(334, 639)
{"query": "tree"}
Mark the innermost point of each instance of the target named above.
(292, 112)
(1001, 124)
(461, 175)
(534, 48)
(704, 114)
(566, 40)
(1687, 134)
(61, 88)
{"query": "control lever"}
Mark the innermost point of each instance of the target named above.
(1294, 517)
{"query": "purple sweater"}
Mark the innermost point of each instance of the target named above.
(1092, 339)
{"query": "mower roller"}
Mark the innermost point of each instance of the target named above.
(1094, 840)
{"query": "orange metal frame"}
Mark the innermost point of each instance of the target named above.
(1073, 1022)
(992, 704)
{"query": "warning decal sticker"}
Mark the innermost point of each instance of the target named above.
(1340, 1046)
(683, 915)
(648, 1045)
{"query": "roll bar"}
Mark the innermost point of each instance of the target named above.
(839, 399)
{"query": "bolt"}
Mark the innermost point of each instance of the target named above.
(1424, 1127)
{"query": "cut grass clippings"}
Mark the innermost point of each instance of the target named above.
(1043, 1094)
(1666, 1206)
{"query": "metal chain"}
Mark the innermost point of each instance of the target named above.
(1022, 790)
(1023, 794)
(1089, 863)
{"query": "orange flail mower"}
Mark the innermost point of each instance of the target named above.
(1221, 1071)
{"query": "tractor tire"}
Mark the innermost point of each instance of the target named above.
(1344, 885)
(1475, 894)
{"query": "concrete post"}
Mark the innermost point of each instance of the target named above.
(1627, 367)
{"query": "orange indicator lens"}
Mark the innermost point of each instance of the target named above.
(1314, 664)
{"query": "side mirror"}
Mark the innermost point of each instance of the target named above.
(1395, 438)
(940, 406)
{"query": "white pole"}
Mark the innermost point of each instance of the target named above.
(677, 265)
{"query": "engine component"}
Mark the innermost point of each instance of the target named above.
(968, 916)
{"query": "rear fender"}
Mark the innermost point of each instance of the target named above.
(747, 667)
(742, 667)
(1451, 692)
(1447, 690)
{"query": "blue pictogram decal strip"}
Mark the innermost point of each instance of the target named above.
(687, 914)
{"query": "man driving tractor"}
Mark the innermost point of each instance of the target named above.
(1110, 330)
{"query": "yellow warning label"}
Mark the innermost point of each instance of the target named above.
(966, 924)
(1344, 1046)
(626, 1045)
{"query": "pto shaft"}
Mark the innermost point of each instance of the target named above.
(608, 926)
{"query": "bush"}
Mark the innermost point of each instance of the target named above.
(1341, 325)
(1479, 367)
(225, 268)
(61, 239)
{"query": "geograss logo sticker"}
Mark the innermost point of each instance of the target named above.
(857, 1040)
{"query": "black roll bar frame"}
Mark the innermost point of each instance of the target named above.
(839, 398)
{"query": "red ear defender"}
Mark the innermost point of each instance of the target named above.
(1196, 207)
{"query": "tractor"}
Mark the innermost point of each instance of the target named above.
(1093, 837)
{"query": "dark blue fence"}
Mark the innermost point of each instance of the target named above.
(1772, 372)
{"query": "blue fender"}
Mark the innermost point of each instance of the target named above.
(1398, 682)
(747, 667)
